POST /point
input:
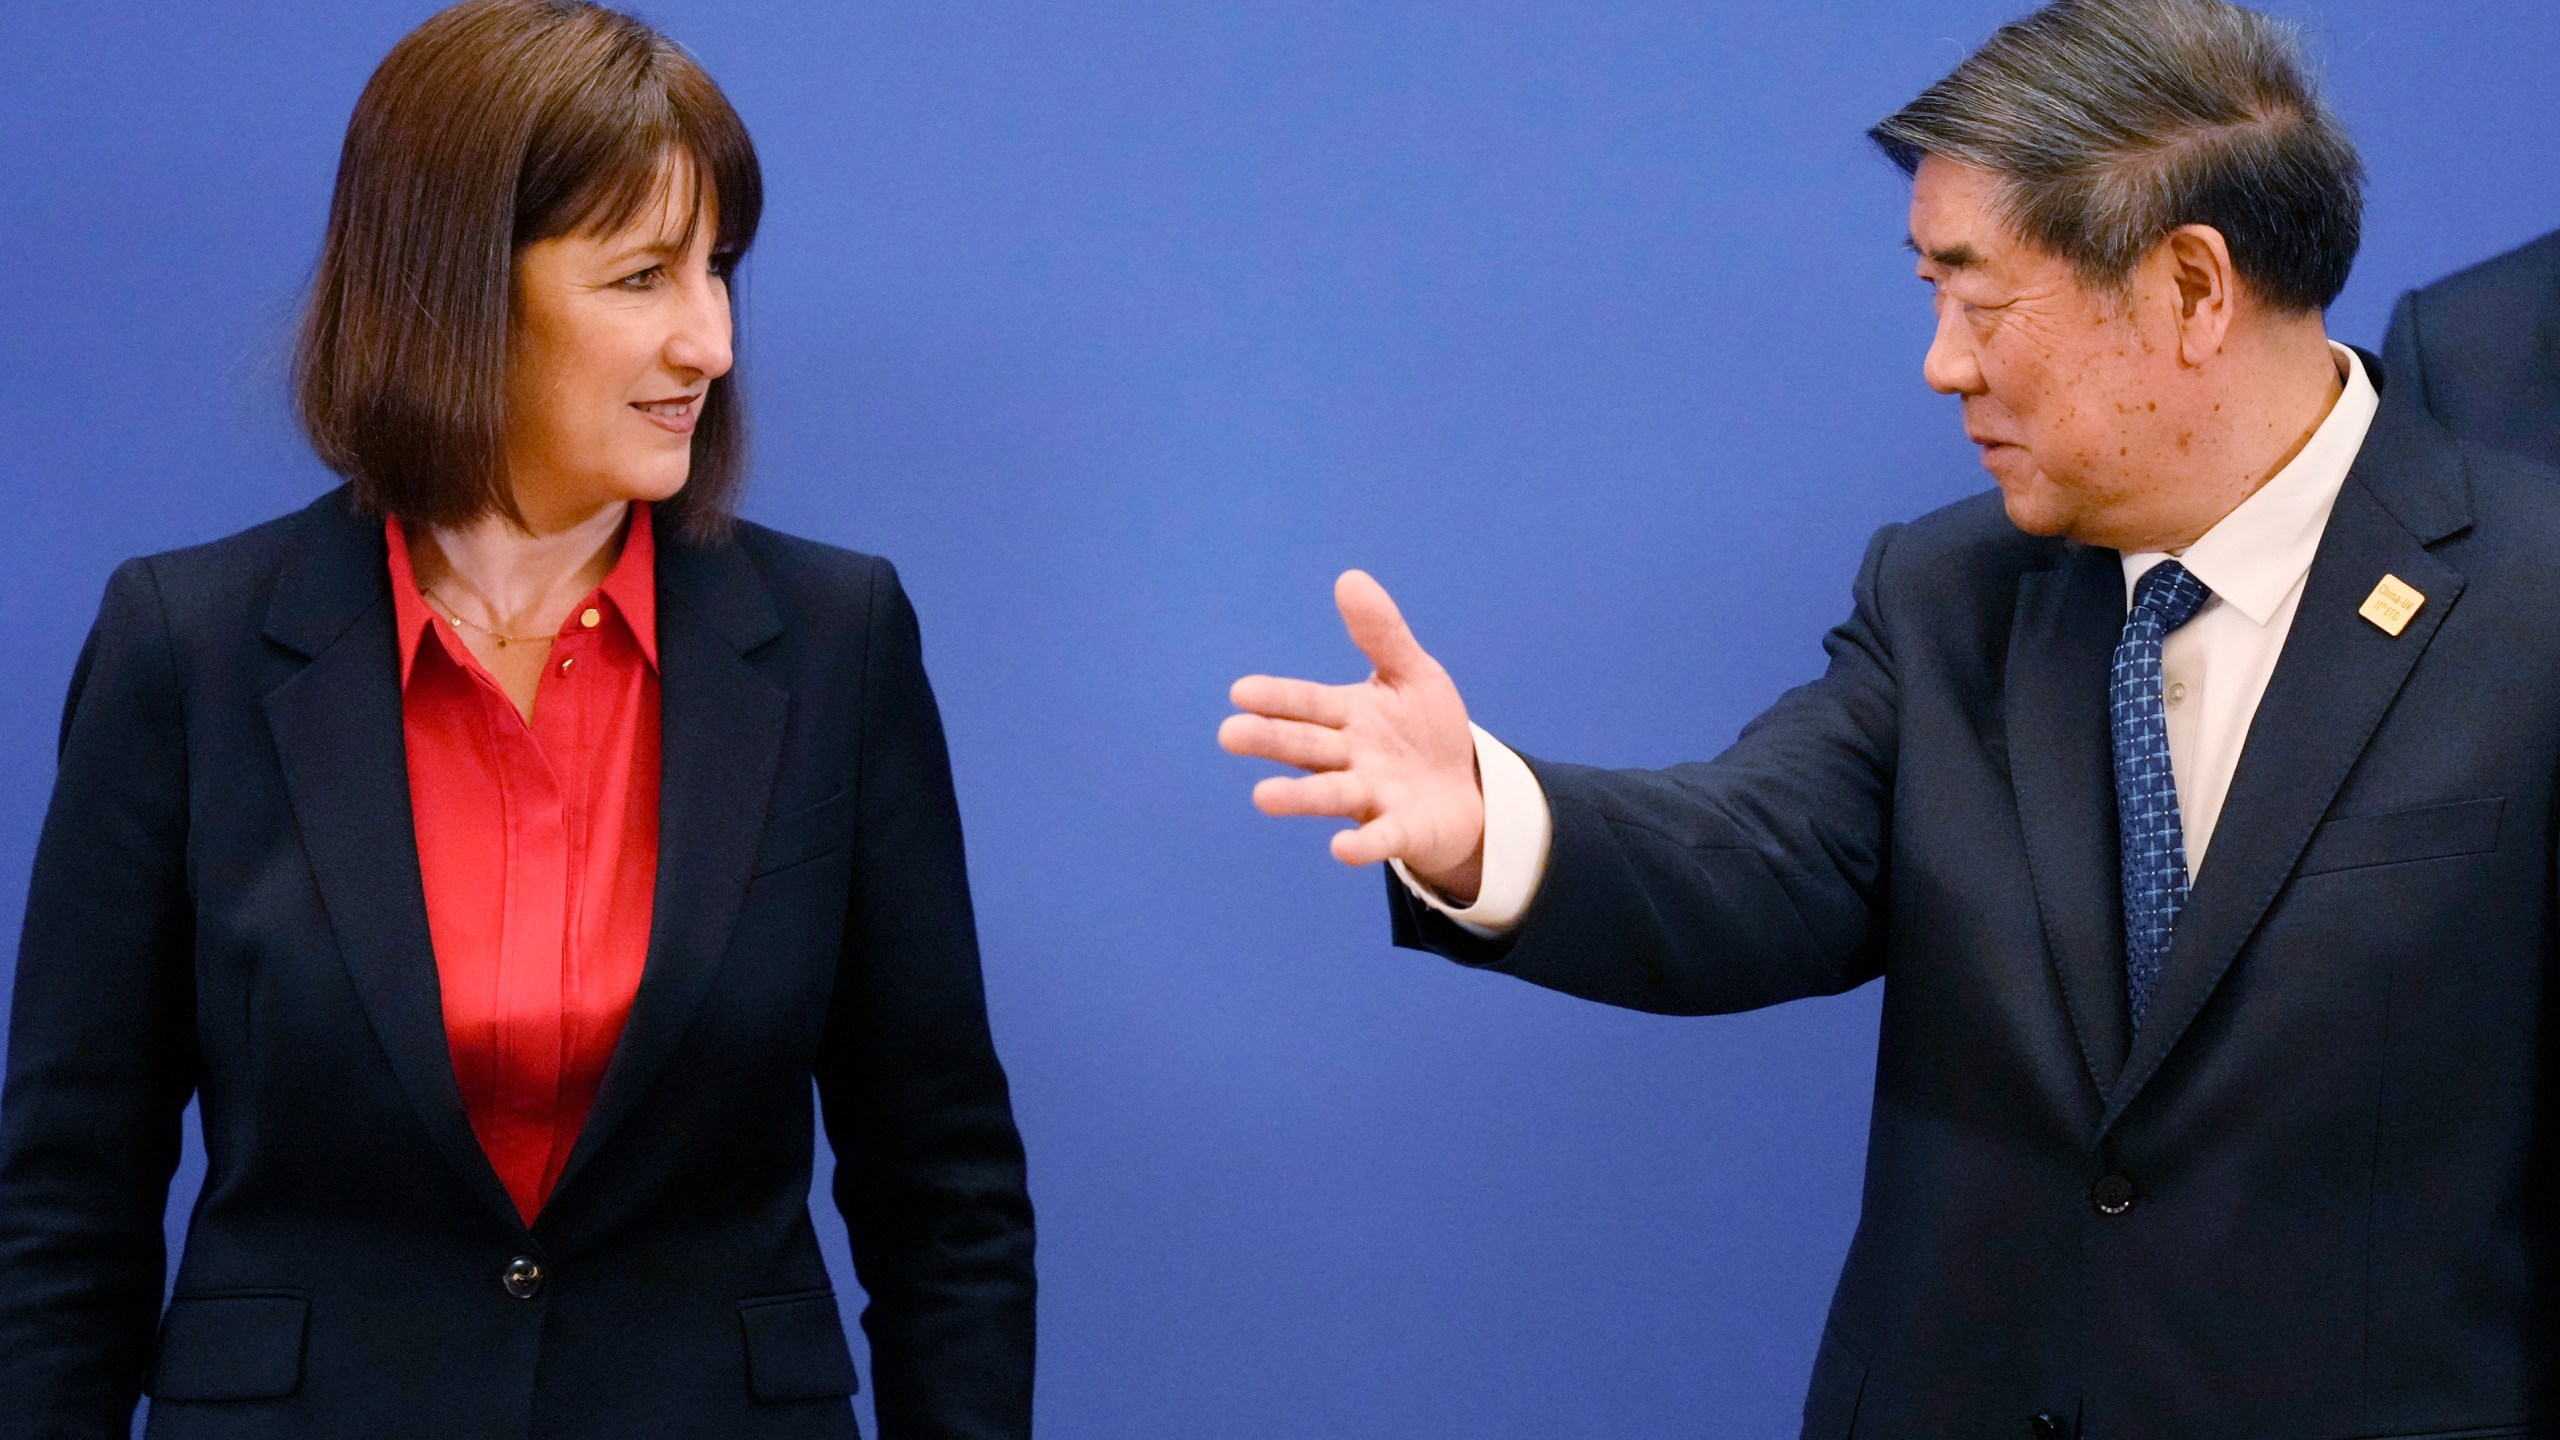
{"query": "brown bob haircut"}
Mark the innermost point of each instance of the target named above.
(495, 125)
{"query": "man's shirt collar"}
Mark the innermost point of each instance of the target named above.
(2253, 557)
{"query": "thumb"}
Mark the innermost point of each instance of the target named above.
(1377, 626)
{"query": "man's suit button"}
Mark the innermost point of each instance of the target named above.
(522, 1277)
(2113, 1194)
(2045, 1427)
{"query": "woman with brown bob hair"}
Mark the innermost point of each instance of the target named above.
(502, 850)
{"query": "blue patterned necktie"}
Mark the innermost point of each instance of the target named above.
(2154, 841)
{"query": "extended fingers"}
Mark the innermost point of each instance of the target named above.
(1291, 742)
(1280, 699)
(1332, 792)
(1379, 840)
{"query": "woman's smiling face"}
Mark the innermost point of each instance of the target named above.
(617, 337)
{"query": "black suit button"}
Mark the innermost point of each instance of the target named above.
(522, 1277)
(2113, 1194)
(2045, 1427)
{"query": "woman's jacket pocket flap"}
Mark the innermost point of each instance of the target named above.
(796, 1349)
(2429, 832)
(245, 1346)
(807, 833)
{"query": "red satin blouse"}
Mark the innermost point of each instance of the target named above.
(538, 846)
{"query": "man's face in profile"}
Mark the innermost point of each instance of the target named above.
(2066, 394)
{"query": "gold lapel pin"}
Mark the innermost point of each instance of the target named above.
(2391, 604)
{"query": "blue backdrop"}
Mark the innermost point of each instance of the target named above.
(1122, 327)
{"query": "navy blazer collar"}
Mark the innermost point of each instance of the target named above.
(337, 726)
(2407, 493)
(337, 570)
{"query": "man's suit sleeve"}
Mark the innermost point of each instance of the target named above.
(929, 1166)
(1726, 885)
(102, 1053)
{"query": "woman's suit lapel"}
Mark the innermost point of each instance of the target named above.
(337, 727)
(720, 728)
(336, 723)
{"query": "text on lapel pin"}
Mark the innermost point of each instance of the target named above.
(2391, 604)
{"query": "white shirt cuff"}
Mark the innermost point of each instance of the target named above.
(1518, 830)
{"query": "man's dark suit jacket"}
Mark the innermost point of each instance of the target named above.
(2480, 351)
(2330, 1147)
(226, 904)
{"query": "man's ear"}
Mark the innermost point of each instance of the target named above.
(2196, 263)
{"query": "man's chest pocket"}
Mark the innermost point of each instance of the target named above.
(2399, 837)
(806, 834)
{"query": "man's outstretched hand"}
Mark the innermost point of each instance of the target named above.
(1392, 752)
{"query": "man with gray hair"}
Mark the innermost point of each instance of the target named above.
(2193, 795)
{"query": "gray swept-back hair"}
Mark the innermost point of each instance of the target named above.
(2113, 122)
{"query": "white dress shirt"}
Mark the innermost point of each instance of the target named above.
(2213, 670)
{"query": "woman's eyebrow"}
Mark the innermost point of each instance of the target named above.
(663, 249)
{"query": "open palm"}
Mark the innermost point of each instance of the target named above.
(1392, 752)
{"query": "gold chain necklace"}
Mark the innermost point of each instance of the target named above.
(503, 638)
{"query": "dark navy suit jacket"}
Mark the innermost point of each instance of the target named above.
(2337, 1129)
(2480, 351)
(226, 904)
